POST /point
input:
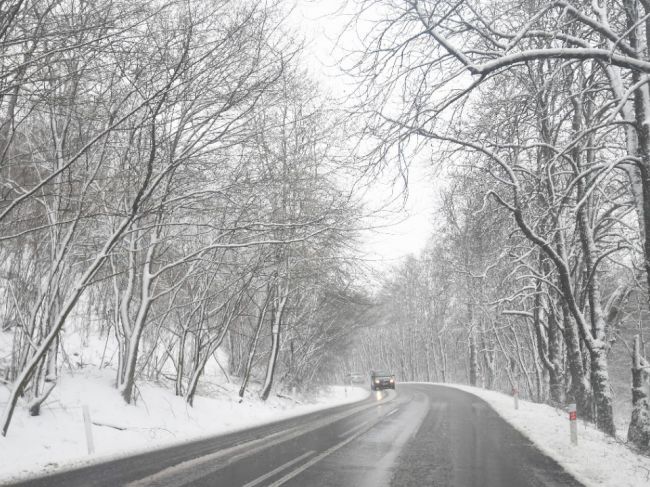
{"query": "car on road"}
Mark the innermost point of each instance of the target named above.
(380, 380)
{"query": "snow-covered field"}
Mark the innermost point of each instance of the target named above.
(597, 460)
(56, 439)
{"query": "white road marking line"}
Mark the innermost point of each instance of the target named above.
(194, 469)
(261, 479)
(393, 411)
(352, 430)
(398, 433)
(318, 458)
(186, 472)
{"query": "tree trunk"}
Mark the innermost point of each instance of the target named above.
(555, 354)
(131, 362)
(488, 359)
(602, 391)
(49, 380)
(473, 360)
(549, 341)
(638, 432)
(596, 340)
(276, 321)
(253, 347)
(580, 387)
(443, 360)
(194, 379)
(210, 348)
(35, 405)
(180, 362)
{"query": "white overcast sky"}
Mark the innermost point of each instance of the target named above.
(406, 232)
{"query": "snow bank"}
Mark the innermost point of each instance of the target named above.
(56, 439)
(597, 460)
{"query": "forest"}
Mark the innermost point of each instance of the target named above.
(174, 180)
(537, 114)
(170, 180)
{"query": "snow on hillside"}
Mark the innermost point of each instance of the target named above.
(597, 460)
(56, 438)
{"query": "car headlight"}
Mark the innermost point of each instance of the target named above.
(392, 380)
(376, 381)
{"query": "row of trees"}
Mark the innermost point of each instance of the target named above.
(169, 168)
(542, 264)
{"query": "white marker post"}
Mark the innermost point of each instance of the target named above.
(89, 431)
(515, 395)
(573, 421)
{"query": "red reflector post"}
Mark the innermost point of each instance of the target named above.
(573, 422)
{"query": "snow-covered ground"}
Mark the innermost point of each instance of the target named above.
(597, 460)
(56, 439)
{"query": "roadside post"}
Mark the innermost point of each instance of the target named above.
(515, 395)
(573, 421)
(89, 432)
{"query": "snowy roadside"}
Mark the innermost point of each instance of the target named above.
(56, 439)
(597, 460)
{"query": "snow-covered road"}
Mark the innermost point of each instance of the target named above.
(421, 435)
(437, 436)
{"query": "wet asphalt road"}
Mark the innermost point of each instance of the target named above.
(422, 435)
